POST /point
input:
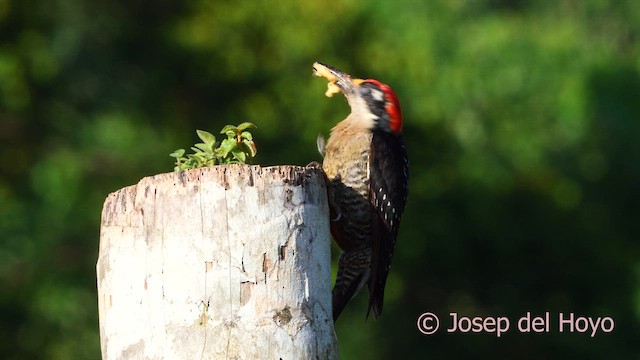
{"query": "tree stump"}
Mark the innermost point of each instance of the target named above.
(225, 262)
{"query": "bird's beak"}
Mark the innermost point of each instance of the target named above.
(344, 82)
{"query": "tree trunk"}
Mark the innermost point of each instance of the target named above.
(225, 262)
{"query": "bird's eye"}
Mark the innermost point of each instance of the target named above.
(383, 104)
(375, 98)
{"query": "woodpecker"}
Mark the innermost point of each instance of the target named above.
(366, 164)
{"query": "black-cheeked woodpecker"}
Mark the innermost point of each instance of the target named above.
(365, 161)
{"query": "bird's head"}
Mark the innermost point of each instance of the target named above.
(372, 102)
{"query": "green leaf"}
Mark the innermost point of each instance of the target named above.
(206, 136)
(191, 164)
(246, 125)
(237, 148)
(228, 160)
(227, 146)
(177, 154)
(198, 158)
(228, 128)
(246, 135)
(207, 148)
(240, 155)
(249, 147)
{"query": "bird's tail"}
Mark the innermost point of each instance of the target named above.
(353, 273)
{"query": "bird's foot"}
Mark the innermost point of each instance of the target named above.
(314, 165)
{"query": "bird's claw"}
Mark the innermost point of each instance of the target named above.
(314, 165)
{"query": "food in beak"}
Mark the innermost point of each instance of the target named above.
(323, 71)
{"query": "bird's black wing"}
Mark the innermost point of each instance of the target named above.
(389, 174)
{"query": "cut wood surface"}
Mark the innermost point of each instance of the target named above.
(225, 262)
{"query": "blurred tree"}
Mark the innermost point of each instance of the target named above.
(520, 117)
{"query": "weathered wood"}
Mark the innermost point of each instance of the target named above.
(227, 262)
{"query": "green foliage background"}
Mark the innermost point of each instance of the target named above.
(522, 120)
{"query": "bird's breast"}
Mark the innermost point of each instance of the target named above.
(346, 164)
(347, 159)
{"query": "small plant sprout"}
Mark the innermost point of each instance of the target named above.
(237, 148)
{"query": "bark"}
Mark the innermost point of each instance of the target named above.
(226, 262)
